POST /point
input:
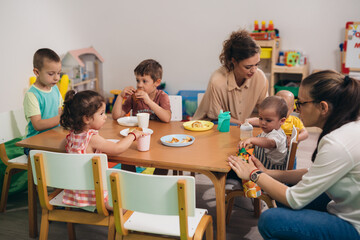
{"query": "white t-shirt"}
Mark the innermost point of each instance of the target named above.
(336, 171)
(277, 156)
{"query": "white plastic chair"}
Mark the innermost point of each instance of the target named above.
(75, 172)
(157, 205)
(176, 107)
(13, 166)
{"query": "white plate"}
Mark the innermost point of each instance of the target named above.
(125, 131)
(166, 139)
(128, 121)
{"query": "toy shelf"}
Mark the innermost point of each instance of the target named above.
(274, 44)
(275, 72)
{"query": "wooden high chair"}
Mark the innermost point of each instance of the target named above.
(76, 172)
(13, 166)
(158, 207)
(231, 194)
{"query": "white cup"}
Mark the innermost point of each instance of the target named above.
(143, 120)
(143, 143)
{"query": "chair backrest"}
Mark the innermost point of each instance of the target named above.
(13, 125)
(151, 194)
(199, 98)
(292, 149)
(69, 171)
(176, 107)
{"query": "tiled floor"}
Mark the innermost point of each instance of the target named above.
(243, 225)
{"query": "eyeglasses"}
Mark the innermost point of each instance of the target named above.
(298, 104)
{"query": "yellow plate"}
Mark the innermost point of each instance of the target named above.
(207, 125)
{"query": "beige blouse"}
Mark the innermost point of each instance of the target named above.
(223, 93)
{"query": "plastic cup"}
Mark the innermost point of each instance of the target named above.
(143, 143)
(143, 120)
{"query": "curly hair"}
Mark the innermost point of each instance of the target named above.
(77, 106)
(239, 46)
(341, 93)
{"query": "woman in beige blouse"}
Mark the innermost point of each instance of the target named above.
(238, 85)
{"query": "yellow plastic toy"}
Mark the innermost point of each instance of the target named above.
(64, 85)
(32, 80)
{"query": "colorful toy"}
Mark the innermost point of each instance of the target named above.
(292, 58)
(251, 189)
(265, 33)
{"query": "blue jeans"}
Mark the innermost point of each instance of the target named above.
(306, 223)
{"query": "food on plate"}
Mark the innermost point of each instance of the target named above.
(173, 140)
(184, 140)
(135, 128)
(197, 124)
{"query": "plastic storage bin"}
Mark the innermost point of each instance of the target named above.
(265, 53)
(189, 102)
(293, 89)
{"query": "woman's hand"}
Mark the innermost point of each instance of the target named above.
(241, 167)
(128, 91)
(257, 163)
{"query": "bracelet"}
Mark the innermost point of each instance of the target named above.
(133, 134)
(256, 169)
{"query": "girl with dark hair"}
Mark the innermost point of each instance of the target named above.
(238, 86)
(330, 101)
(84, 114)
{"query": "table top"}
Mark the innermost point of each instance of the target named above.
(208, 152)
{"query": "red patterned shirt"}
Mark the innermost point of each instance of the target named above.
(77, 143)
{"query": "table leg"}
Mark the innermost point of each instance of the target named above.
(33, 230)
(218, 180)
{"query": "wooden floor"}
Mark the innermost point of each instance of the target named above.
(243, 224)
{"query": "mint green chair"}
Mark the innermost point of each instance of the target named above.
(75, 172)
(161, 207)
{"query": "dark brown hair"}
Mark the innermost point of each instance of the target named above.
(78, 105)
(41, 54)
(239, 46)
(149, 67)
(341, 93)
(278, 103)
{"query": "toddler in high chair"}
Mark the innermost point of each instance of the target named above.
(84, 114)
(270, 147)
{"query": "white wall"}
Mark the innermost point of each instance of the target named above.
(184, 36)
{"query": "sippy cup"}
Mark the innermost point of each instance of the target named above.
(224, 121)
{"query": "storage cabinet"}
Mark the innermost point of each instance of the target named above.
(277, 73)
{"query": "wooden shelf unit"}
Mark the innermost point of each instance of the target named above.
(275, 69)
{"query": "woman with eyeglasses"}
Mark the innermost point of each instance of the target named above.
(238, 86)
(330, 101)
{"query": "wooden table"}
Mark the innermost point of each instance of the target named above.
(207, 155)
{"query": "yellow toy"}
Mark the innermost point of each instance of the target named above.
(64, 85)
(32, 80)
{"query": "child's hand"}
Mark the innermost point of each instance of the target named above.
(141, 94)
(245, 144)
(138, 134)
(128, 91)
